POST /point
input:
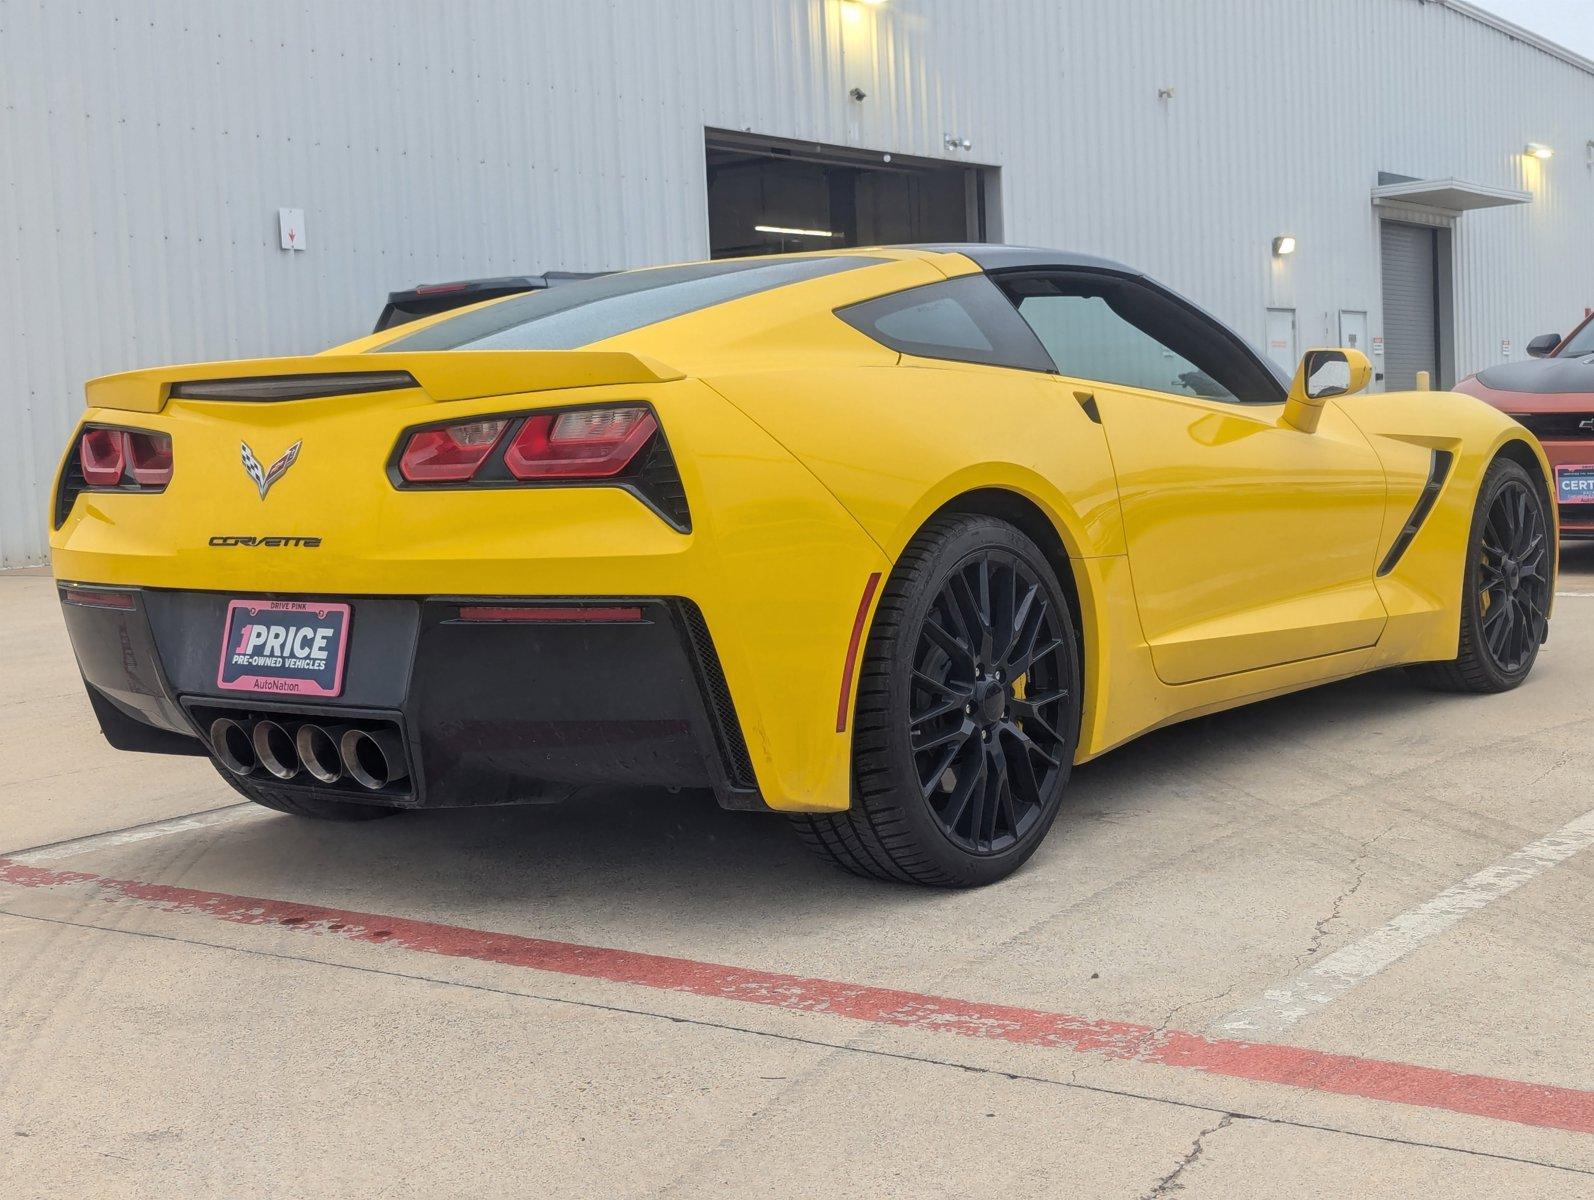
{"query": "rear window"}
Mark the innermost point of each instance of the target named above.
(966, 319)
(578, 314)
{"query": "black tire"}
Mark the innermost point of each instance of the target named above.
(960, 755)
(297, 803)
(1505, 595)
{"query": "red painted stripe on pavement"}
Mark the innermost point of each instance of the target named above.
(1343, 1074)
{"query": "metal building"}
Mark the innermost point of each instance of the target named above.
(146, 150)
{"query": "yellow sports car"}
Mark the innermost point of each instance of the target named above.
(883, 539)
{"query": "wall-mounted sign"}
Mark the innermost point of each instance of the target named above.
(290, 228)
(1378, 344)
(1505, 347)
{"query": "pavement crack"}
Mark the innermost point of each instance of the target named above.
(1336, 910)
(1169, 1183)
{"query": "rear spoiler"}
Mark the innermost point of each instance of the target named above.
(441, 374)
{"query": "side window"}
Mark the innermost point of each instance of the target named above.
(1117, 330)
(966, 319)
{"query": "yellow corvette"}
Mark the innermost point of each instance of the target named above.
(884, 539)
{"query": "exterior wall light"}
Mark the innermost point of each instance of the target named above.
(1283, 246)
(1538, 150)
(788, 231)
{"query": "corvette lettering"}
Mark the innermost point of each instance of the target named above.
(305, 543)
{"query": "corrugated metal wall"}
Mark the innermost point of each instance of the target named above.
(144, 150)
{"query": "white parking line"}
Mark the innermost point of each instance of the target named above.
(1314, 989)
(137, 833)
(1578, 595)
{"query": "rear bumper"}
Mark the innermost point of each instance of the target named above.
(490, 712)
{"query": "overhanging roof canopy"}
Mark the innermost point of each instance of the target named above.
(1451, 195)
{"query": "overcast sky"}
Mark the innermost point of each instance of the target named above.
(1569, 22)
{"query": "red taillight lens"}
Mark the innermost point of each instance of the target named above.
(591, 443)
(450, 454)
(149, 458)
(102, 454)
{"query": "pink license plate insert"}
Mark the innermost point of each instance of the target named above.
(284, 647)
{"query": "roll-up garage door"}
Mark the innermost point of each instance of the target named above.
(1411, 304)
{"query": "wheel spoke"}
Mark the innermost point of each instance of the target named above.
(929, 784)
(944, 686)
(958, 733)
(1034, 722)
(946, 708)
(1020, 622)
(970, 780)
(1023, 665)
(1023, 773)
(1009, 802)
(1031, 745)
(967, 610)
(954, 648)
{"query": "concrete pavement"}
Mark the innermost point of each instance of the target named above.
(643, 995)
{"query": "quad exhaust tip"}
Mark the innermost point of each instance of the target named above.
(274, 747)
(374, 758)
(318, 751)
(231, 744)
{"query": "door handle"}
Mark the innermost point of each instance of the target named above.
(1087, 401)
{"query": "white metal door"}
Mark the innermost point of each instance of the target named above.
(1281, 338)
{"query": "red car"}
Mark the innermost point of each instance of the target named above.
(1553, 395)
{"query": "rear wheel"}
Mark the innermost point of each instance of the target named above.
(967, 714)
(298, 804)
(1505, 599)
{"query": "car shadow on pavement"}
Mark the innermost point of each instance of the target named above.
(680, 857)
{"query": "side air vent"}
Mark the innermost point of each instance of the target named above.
(1438, 472)
(722, 710)
(265, 388)
(659, 482)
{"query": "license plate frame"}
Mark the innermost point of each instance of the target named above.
(1579, 473)
(302, 659)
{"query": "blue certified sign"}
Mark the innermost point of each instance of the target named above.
(1575, 485)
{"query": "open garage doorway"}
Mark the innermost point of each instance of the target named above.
(772, 196)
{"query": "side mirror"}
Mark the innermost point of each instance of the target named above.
(1322, 375)
(1544, 345)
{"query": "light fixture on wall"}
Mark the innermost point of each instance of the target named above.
(1538, 150)
(1283, 245)
(786, 231)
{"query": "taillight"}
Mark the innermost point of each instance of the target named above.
(450, 454)
(149, 458)
(620, 445)
(102, 454)
(125, 457)
(591, 443)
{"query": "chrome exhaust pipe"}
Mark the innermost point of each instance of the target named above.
(230, 743)
(374, 758)
(274, 748)
(318, 751)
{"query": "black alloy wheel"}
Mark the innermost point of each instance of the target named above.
(967, 714)
(1505, 595)
(1514, 576)
(989, 695)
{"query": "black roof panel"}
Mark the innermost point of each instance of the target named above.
(993, 256)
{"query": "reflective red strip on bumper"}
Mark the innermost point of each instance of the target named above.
(852, 651)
